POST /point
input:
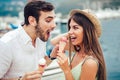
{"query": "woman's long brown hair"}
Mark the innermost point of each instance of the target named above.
(90, 42)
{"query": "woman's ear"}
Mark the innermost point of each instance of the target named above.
(32, 20)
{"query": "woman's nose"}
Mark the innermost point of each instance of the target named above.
(70, 31)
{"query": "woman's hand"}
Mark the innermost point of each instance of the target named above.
(63, 61)
(64, 65)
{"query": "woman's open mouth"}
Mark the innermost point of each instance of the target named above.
(73, 38)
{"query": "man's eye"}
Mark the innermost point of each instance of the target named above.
(48, 20)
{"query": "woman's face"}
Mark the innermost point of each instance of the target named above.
(76, 33)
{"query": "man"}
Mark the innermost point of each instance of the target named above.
(28, 43)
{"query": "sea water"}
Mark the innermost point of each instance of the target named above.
(110, 42)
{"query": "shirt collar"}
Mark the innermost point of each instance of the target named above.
(24, 36)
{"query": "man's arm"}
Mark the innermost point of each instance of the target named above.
(5, 59)
(48, 60)
(53, 55)
(56, 39)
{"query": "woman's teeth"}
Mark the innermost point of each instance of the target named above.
(73, 38)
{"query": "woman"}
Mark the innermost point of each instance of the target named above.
(86, 61)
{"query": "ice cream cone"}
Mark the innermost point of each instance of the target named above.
(62, 44)
(41, 64)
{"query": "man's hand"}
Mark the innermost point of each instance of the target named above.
(54, 51)
(35, 75)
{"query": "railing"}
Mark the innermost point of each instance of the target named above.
(53, 72)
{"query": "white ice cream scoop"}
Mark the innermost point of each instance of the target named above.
(41, 64)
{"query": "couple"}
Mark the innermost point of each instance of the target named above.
(23, 47)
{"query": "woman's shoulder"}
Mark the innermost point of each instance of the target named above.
(89, 68)
(90, 62)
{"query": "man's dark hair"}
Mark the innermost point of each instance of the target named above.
(33, 8)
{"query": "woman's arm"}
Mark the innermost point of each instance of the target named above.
(68, 75)
(64, 65)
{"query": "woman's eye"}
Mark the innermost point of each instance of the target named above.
(75, 27)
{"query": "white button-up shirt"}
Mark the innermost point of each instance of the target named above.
(23, 57)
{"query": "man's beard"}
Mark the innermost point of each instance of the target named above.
(40, 33)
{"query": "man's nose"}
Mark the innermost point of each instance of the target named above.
(53, 25)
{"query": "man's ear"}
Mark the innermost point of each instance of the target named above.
(32, 20)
